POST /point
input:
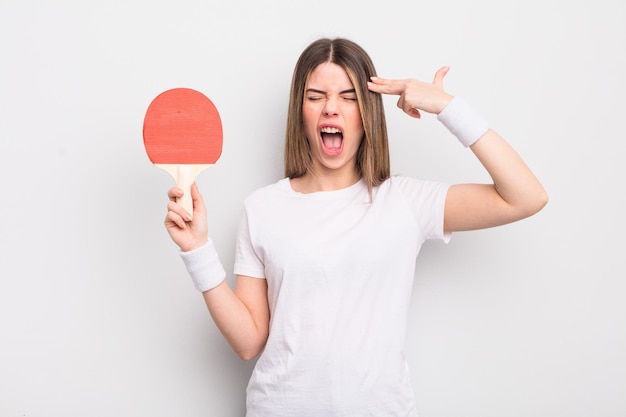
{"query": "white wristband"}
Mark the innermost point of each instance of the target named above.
(204, 267)
(463, 121)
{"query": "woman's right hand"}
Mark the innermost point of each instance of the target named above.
(186, 233)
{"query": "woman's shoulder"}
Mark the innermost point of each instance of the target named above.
(268, 191)
(400, 180)
(406, 184)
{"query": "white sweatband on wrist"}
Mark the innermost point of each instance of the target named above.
(204, 267)
(463, 121)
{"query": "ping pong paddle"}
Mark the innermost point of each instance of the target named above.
(182, 134)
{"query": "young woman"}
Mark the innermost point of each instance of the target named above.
(325, 257)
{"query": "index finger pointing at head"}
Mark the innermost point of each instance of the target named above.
(385, 86)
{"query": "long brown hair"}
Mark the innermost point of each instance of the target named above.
(373, 155)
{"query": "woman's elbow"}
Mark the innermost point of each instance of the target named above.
(252, 348)
(542, 199)
(536, 203)
(248, 354)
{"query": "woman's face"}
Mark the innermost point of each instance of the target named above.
(332, 120)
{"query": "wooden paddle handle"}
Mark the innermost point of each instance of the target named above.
(184, 175)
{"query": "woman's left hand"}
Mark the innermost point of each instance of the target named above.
(415, 95)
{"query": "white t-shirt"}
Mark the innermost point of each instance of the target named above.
(339, 271)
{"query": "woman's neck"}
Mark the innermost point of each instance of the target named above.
(312, 182)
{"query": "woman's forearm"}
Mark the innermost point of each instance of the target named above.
(513, 180)
(245, 333)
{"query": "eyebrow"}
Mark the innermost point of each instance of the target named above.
(313, 90)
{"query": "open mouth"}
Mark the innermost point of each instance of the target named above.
(332, 140)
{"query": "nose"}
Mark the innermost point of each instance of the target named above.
(331, 106)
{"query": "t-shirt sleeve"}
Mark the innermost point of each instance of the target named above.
(427, 200)
(247, 261)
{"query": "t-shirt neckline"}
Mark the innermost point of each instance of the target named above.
(347, 191)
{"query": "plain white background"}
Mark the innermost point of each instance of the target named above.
(97, 315)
